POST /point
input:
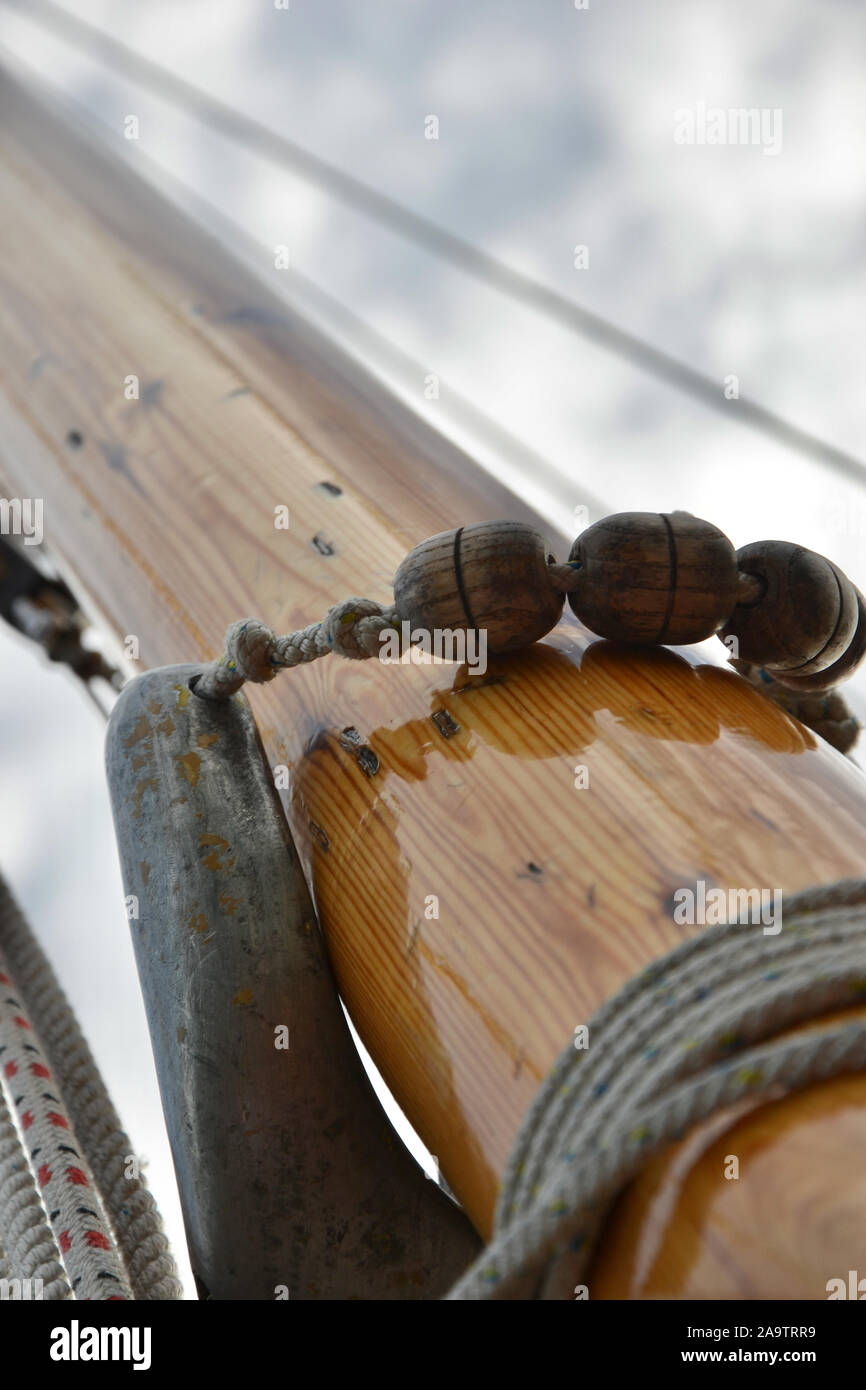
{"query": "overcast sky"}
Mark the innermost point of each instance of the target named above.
(556, 129)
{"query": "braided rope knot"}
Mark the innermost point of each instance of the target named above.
(253, 651)
(354, 627)
(250, 650)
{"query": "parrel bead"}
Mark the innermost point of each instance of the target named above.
(650, 577)
(841, 669)
(804, 617)
(491, 575)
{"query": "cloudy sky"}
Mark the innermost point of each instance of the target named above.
(556, 130)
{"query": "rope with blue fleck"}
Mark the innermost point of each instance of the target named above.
(695, 1032)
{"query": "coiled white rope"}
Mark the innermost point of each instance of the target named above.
(693, 1033)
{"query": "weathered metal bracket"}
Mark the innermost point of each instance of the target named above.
(292, 1181)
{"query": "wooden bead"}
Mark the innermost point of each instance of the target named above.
(492, 576)
(647, 577)
(841, 669)
(803, 619)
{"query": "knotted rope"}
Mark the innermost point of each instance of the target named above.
(254, 652)
(352, 628)
(695, 1032)
(355, 627)
(69, 1213)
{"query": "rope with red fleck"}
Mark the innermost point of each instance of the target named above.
(31, 1252)
(66, 1185)
(69, 1214)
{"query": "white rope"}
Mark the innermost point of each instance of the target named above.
(694, 1033)
(103, 1222)
(352, 628)
(29, 1248)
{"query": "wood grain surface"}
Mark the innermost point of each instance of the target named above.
(161, 512)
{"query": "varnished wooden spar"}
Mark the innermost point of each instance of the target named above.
(418, 782)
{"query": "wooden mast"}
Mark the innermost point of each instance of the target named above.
(161, 512)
